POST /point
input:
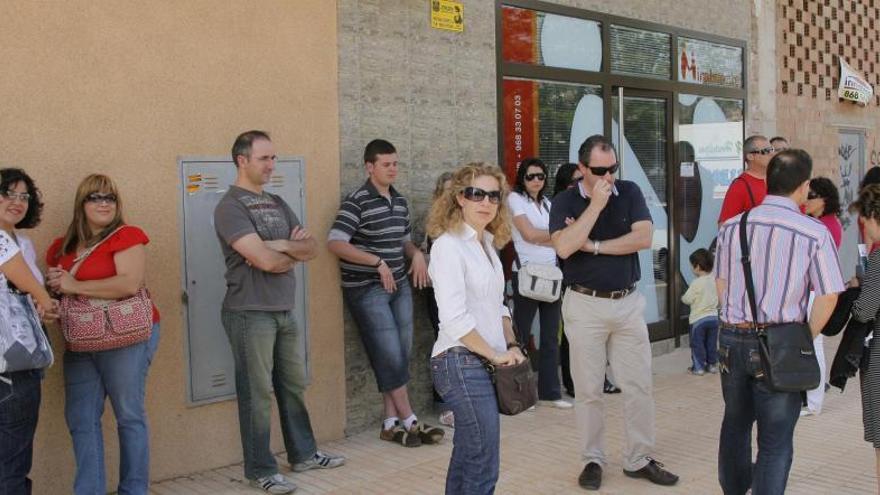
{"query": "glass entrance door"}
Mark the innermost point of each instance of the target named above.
(643, 143)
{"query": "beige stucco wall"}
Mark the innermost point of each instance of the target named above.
(124, 88)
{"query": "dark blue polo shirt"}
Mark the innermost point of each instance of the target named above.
(603, 272)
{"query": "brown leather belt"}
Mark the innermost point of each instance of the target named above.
(744, 326)
(614, 294)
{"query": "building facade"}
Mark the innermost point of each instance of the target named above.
(130, 90)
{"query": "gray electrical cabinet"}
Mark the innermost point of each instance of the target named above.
(203, 182)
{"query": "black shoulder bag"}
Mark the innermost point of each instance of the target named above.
(787, 353)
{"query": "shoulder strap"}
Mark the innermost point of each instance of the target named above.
(79, 260)
(748, 189)
(747, 266)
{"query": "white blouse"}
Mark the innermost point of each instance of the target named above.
(468, 285)
(539, 216)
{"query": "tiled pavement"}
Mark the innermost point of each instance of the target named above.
(540, 450)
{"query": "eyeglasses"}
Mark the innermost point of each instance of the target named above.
(12, 196)
(101, 198)
(812, 195)
(539, 176)
(764, 151)
(600, 171)
(477, 195)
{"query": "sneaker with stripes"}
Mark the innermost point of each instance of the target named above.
(276, 484)
(320, 460)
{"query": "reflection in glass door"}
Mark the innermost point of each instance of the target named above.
(644, 157)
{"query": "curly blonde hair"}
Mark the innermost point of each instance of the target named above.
(868, 203)
(446, 213)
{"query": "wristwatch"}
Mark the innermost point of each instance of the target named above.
(596, 248)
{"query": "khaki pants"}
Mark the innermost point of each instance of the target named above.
(614, 330)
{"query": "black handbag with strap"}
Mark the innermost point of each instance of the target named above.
(787, 353)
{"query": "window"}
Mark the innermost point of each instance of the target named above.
(547, 120)
(640, 53)
(703, 62)
(538, 38)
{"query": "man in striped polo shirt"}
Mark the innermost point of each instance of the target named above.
(792, 254)
(371, 237)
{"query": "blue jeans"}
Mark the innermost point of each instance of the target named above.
(385, 322)
(89, 378)
(467, 389)
(19, 407)
(524, 310)
(748, 399)
(270, 351)
(704, 342)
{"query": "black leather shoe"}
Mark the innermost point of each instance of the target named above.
(654, 472)
(591, 477)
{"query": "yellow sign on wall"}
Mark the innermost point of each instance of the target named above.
(448, 15)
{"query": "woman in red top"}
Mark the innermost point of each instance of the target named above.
(114, 270)
(823, 202)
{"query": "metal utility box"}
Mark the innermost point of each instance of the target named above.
(203, 182)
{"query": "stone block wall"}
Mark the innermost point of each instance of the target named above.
(432, 94)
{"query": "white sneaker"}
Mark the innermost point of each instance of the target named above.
(276, 484)
(558, 404)
(447, 418)
(321, 460)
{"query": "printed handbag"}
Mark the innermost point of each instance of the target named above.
(23, 343)
(786, 349)
(540, 282)
(91, 325)
(516, 386)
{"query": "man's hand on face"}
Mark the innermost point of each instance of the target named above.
(599, 195)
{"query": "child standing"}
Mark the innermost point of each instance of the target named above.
(702, 297)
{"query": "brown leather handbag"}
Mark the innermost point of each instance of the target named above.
(516, 386)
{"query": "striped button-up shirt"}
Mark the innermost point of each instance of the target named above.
(791, 253)
(375, 224)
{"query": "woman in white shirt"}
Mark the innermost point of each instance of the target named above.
(530, 210)
(20, 393)
(469, 222)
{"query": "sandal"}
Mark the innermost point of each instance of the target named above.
(426, 433)
(398, 434)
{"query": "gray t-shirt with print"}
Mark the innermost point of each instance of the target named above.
(241, 212)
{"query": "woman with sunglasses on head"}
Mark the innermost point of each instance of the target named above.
(530, 212)
(20, 394)
(470, 222)
(113, 270)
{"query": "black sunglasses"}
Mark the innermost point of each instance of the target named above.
(477, 195)
(764, 151)
(101, 198)
(539, 176)
(600, 171)
(812, 195)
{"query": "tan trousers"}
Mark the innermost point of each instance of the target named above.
(614, 330)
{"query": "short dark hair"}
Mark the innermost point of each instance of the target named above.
(749, 145)
(872, 176)
(377, 147)
(564, 176)
(11, 176)
(702, 259)
(778, 138)
(787, 171)
(596, 140)
(868, 203)
(245, 142)
(520, 185)
(827, 191)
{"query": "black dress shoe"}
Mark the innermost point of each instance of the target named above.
(654, 472)
(591, 477)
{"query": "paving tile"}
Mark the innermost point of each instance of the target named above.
(540, 450)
